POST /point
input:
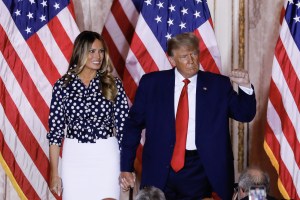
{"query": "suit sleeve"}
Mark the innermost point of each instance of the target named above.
(121, 109)
(134, 125)
(242, 106)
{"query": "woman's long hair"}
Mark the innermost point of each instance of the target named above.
(82, 45)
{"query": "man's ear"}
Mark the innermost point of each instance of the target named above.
(172, 61)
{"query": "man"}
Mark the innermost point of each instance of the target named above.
(208, 158)
(150, 193)
(252, 177)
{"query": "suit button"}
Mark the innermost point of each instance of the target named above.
(167, 166)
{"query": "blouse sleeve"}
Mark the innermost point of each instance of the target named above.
(121, 110)
(57, 116)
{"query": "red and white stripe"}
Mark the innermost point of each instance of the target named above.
(135, 50)
(282, 139)
(27, 73)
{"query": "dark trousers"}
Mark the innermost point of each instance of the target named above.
(190, 183)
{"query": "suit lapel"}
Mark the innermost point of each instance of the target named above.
(167, 91)
(201, 98)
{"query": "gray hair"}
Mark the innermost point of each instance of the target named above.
(150, 193)
(253, 177)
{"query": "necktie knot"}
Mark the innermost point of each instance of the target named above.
(186, 81)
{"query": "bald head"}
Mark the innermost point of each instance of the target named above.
(253, 177)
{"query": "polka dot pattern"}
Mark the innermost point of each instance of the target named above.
(85, 113)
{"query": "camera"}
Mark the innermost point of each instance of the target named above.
(257, 192)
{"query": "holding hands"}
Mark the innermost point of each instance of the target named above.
(127, 180)
(240, 77)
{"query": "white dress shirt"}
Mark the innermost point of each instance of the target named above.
(190, 141)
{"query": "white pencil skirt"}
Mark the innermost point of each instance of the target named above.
(91, 170)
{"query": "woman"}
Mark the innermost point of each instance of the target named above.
(91, 104)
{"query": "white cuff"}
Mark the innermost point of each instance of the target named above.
(247, 90)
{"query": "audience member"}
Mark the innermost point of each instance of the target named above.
(150, 193)
(252, 177)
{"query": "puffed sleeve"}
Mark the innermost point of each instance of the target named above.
(121, 109)
(57, 116)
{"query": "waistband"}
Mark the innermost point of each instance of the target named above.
(190, 153)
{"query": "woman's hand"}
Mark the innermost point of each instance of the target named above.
(56, 185)
(127, 180)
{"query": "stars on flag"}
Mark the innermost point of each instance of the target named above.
(182, 25)
(294, 10)
(184, 11)
(197, 14)
(31, 15)
(168, 18)
(18, 12)
(28, 30)
(43, 18)
(168, 36)
(44, 3)
(172, 8)
(158, 19)
(56, 6)
(148, 2)
(170, 22)
(160, 5)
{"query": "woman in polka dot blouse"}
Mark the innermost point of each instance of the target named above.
(87, 114)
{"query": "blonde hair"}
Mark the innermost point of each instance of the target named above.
(82, 45)
(183, 39)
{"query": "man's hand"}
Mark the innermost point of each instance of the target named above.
(126, 180)
(240, 77)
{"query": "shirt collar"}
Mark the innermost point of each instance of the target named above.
(179, 78)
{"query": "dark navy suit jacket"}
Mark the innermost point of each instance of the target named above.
(153, 109)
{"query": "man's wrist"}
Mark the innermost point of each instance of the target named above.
(247, 90)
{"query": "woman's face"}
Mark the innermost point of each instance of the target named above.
(95, 56)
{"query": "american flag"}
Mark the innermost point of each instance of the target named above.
(283, 112)
(36, 39)
(137, 33)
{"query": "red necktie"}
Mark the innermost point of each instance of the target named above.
(182, 119)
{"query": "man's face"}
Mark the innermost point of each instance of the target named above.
(186, 59)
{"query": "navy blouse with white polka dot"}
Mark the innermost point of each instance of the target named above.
(86, 113)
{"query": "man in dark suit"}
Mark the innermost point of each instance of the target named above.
(253, 181)
(207, 157)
